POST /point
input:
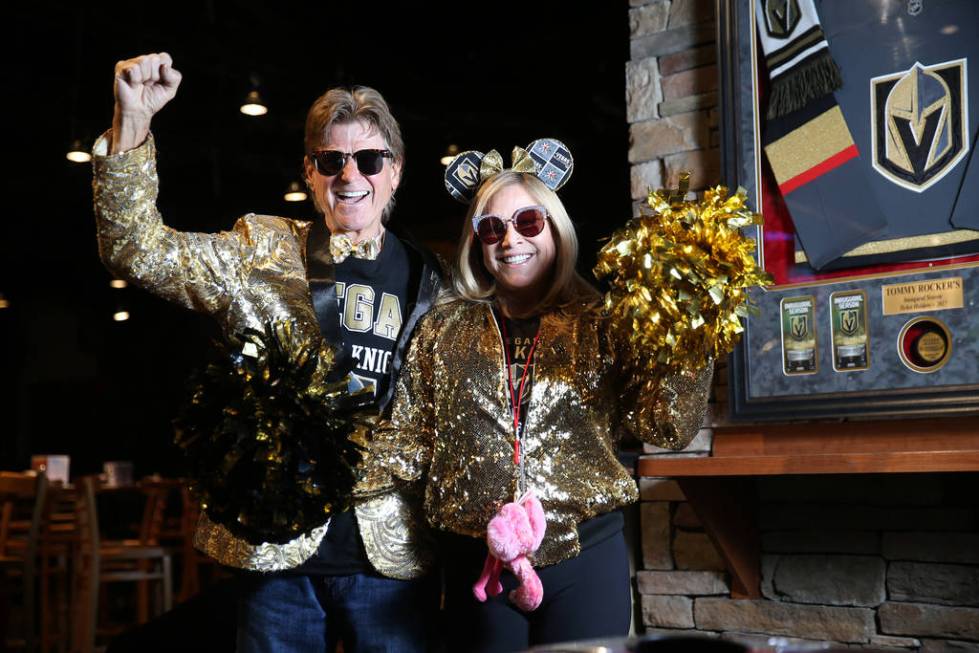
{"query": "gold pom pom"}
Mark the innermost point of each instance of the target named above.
(679, 278)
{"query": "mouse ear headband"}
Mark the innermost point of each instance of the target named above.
(546, 158)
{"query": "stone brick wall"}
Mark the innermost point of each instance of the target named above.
(863, 561)
(887, 561)
(671, 94)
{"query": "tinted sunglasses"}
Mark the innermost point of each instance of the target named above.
(331, 162)
(528, 221)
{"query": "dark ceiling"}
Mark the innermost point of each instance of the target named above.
(482, 75)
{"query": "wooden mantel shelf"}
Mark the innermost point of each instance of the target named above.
(830, 463)
(898, 446)
(718, 486)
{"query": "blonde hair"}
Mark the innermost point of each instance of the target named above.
(471, 280)
(359, 103)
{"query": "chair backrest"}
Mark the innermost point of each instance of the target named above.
(163, 520)
(22, 501)
(191, 513)
(87, 515)
(22, 498)
(87, 563)
(156, 494)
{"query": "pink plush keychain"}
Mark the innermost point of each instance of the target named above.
(513, 534)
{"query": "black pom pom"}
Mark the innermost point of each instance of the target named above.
(267, 439)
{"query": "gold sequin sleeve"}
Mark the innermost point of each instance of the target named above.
(400, 448)
(665, 410)
(195, 270)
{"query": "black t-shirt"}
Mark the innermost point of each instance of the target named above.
(519, 335)
(373, 299)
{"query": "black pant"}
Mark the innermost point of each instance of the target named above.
(585, 597)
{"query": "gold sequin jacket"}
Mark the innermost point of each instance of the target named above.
(451, 427)
(246, 277)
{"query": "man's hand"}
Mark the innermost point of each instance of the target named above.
(143, 85)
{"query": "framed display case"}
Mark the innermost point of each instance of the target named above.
(870, 198)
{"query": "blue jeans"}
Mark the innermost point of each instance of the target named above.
(370, 614)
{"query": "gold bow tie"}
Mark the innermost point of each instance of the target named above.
(341, 247)
(492, 163)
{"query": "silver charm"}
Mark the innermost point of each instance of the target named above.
(915, 7)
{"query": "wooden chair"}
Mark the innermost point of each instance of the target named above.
(22, 498)
(194, 561)
(99, 562)
(55, 551)
(59, 547)
(150, 534)
(180, 514)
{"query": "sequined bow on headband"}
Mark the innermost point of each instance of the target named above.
(547, 158)
(492, 163)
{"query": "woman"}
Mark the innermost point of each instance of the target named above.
(513, 385)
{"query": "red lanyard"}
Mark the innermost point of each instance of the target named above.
(516, 397)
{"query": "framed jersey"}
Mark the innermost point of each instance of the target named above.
(853, 127)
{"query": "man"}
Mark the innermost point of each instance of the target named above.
(361, 579)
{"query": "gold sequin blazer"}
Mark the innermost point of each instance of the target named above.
(451, 427)
(246, 277)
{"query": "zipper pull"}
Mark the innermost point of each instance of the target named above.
(516, 451)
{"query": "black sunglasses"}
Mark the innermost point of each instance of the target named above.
(331, 162)
(528, 221)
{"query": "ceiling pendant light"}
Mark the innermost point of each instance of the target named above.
(254, 105)
(295, 193)
(77, 153)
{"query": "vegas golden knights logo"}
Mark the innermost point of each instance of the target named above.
(468, 174)
(781, 17)
(462, 175)
(849, 321)
(800, 326)
(919, 123)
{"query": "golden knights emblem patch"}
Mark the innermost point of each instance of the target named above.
(781, 17)
(919, 123)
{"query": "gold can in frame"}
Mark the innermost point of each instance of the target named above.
(851, 335)
(799, 348)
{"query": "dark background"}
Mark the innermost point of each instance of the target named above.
(481, 75)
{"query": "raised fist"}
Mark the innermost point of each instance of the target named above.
(146, 83)
(143, 85)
